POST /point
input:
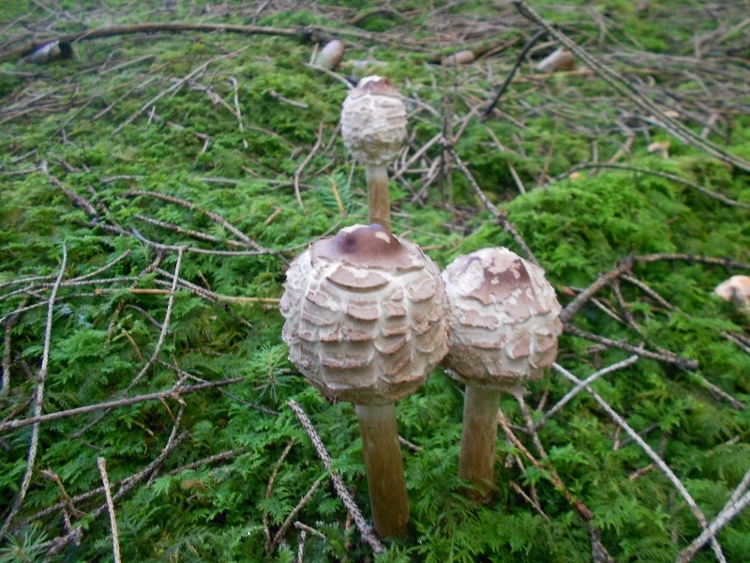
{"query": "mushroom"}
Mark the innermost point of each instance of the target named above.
(503, 322)
(331, 54)
(559, 59)
(365, 322)
(373, 124)
(737, 291)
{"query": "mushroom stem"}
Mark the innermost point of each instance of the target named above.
(385, 469)
(477, 459)
(378, 197)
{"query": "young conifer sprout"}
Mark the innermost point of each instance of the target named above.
(504, 323)
(373, 124)
(365, 322)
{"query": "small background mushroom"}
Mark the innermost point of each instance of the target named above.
(373, 124)
(736, 290)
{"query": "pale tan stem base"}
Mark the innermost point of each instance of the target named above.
(477, 460)
(378, 196)
(385, 469)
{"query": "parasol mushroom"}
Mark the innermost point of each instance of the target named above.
(504, 323)
(373, 124)
(365, 322)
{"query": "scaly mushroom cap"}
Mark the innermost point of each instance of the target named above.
(503, 317)
(373, 121)
(365, 315)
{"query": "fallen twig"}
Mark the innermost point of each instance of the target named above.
(102, 464)
(626, 89)
(338, 482)
(617, 419)
(41, 378)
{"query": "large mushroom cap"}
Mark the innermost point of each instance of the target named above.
(503, 317)
(373, 121)
(365, 315)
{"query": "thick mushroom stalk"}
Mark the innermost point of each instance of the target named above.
(504, 323)
(365, 322)
(373, 124)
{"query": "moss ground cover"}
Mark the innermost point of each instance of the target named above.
(154, 188)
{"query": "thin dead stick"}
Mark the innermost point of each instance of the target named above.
(300, 526)
(617, 419)
(648, 291)
(416, 156)
(584, 512)
(186, 375)
(191, 249)
(206, 460)
(159, 343)
(102, 464)
(38, 399)
(301, 546)
(528, 499)
(574, 306)
(740, 490)
(276, 96)
(706, 192)
(599, 552)
(623, 87)
(59, 543)
(519, 61)
(298, 172)
(516, 177)
(175, 392)
(269, 489)
(12, 319)
(310, 33)
(338, 482)
(724, 517)
(174, 87)
(69, 505)
(293, 514)
(193, 207)
(666, 356)
(694, 259)
(500, 216)
(125, 484)
(237, 112)
(584, 384)
(182, 230)
(152, 291)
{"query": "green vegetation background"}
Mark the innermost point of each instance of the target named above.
(69, 122)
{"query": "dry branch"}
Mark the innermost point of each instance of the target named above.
(102, 464)
(38, 400)
(338, 482)
(617, 419)
(176, 392)
(624, 88)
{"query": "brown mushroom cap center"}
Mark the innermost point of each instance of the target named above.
(376, 85)
(369, 247)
